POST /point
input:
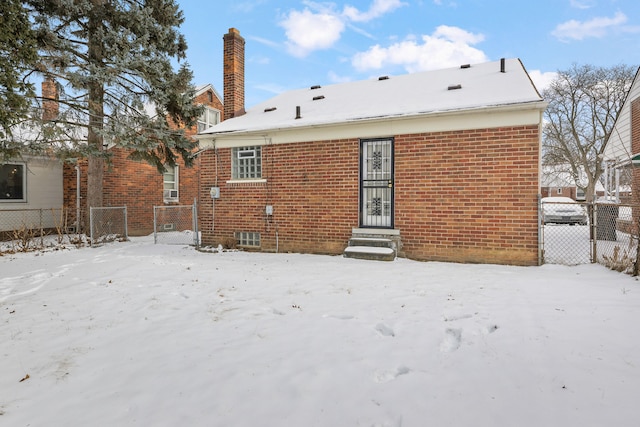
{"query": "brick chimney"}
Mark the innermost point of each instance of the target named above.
(50, 106)
(233, 74)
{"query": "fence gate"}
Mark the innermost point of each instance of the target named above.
(609, 236)
(176, 225)
(107, 224)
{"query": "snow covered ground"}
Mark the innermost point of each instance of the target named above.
(140, 334)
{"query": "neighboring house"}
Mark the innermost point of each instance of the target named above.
(30, 193)
(624, 142)
(138, 185)
(556, 181)
(446, 162)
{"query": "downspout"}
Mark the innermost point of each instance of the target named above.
(78, 199)
(268, 143)
(213, 200)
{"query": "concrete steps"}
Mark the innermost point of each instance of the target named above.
(371, 248)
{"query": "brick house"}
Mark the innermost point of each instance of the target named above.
(558, 181)
(446, 163)
(140, 186)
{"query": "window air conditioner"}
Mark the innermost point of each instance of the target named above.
(170, 194)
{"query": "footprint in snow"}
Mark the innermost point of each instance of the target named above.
(455, 317)
(338, 316)
(385, 330)
(382, 377)
(489, 329)
(451, 341)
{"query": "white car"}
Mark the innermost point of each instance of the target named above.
(563, 210)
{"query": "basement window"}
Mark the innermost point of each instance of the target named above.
(246, 162)
(248, 238)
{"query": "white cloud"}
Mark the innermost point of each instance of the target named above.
(271, 88)
(542, 80)
(262, 60)
(264, 41)
(377, 9)
(320, 25)
(596, 27)
(446, 47)
(308, 31)
(583, 4)
(335, 78)
(246, 6)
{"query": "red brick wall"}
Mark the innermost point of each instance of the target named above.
(469, 196)
(553, 192)
(459, 196)
(311, 189)
(137, 185)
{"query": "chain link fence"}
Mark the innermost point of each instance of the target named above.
(40, 221)
(580, 233)
(107, 224)
(23, 230)
(176, 225)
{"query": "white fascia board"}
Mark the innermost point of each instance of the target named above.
(481, 118)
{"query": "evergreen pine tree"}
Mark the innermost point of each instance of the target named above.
(18, 55)
(113, 62)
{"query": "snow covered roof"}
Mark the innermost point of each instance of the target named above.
(466, 87)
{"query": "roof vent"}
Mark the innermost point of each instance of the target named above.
(315, 87)
(383, 78)
(298, 116)
(465, 66)
(315, 98)
(502, 70)
(267, 110)
(454, 87)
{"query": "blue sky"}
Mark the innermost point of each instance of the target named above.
(294, 44)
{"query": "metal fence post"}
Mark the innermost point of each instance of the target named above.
(196, 236)
(126, 224)
(594, 233)
(155, 225)
(91, 225)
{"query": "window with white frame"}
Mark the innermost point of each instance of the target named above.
(246, 162)
(170, 186)
(208, 118)
(13, 182)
